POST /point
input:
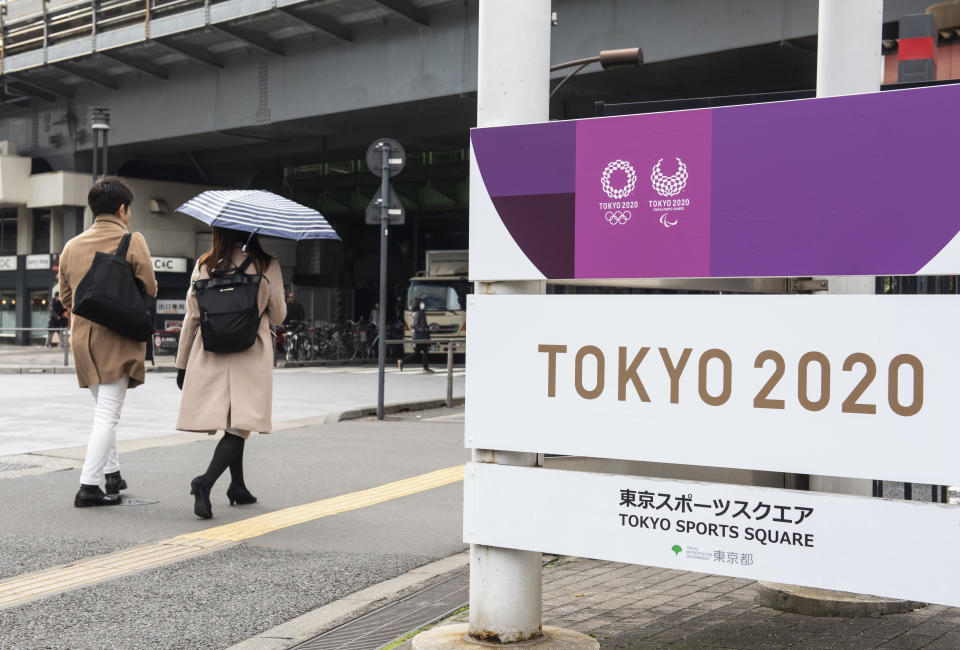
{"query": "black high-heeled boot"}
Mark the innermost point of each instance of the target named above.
(240, 495)
(115, 482)
(201, 503)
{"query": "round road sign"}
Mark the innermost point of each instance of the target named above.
(396, 160)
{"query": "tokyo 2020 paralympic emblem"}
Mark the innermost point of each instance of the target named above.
(669, 185)
(619, 192)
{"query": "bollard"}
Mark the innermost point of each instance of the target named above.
(449, 374)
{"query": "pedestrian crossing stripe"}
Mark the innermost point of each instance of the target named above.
(21, 589)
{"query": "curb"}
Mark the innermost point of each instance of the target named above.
(65, 370)
(396, 407)
(353, 606)
(824, 602)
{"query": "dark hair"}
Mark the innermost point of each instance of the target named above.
(221, 248)
(108, 195)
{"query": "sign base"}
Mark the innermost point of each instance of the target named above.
(454, 637)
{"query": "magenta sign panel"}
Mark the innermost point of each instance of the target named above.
(857, 185)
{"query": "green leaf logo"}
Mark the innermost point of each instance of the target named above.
(676, 549)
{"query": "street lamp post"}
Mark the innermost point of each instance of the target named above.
(100, 125)
(607, 59)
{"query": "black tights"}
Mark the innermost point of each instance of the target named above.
(229, 453)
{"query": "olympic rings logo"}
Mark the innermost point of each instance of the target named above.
(617, 218)
(619, 192)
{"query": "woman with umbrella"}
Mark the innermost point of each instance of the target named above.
(233, 391)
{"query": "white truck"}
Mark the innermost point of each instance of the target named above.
(443, 287)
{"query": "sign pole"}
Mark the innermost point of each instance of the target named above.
(382, 312)
(513, 87)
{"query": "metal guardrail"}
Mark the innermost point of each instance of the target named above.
(63, 332)
(451, 344)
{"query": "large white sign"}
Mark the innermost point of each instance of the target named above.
(170, 264)
(858, 386)
(8, 263)
(874, 546)
(37, 262)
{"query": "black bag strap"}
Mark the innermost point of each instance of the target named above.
(236, 270)
(124, 245)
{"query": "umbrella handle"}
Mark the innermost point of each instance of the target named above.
(244, 249)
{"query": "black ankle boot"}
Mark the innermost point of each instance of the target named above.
(240, 495)
(201, 502)
(115, 482)
(92, 495)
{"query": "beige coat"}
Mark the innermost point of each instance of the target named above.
(101, 355)
(238, 385)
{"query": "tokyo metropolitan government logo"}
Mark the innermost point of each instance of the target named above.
(618, 212)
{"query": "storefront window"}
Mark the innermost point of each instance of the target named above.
(8, 313)
(39, 312)
(41, 231)
(8, 231)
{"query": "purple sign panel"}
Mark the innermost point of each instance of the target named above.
(856, 185)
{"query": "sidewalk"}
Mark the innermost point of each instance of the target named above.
(640, 607)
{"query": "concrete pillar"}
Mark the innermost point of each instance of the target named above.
(848, 62)
(57, 229)
(24, 230)
(513, 87)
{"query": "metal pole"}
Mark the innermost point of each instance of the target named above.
(96, 154)
(382, 312)
(513, 87)
(66, 348)
(449, 374)
(106, 150)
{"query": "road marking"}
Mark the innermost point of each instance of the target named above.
(18, 590)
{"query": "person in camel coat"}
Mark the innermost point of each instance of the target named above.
(107, 362)
(229, 392)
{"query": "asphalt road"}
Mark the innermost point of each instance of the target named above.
(215, 600)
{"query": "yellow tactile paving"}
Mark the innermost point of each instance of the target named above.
(23, 588)
(256, 526)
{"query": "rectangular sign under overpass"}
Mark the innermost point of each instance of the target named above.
(873, 546)
(856, 386)
(854, 185)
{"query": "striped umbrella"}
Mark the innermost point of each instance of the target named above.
(258, 211)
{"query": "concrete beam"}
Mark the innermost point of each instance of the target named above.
(325, 25)
(197, 54)
(94, 78)
(46, 87)
(145, 67)
(406, 9)
(253, 40)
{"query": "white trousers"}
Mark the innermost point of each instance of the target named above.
(102, 455)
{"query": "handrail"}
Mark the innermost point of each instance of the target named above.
(62, 331)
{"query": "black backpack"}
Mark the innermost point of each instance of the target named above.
(109, 294)
(229, 316)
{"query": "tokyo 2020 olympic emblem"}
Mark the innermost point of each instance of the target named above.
(669, 185)
(619, 192)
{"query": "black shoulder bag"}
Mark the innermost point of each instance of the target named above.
(229, 316)
(111, 295)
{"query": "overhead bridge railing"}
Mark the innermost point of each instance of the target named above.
(73, 20)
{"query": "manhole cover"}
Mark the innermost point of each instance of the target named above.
(125, 501)
(10, 467)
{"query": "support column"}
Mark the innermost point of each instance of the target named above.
(849, 61)
(56, 229)
(24, 230)
(513, 87)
